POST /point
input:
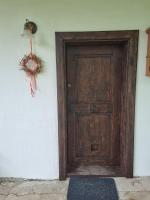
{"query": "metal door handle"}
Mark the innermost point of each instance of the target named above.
(69, 85)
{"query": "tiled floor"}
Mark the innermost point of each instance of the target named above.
(129, 189)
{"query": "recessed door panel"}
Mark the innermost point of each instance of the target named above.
(94, 105)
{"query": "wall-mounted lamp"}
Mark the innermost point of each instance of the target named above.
(29, 28)
(148, 54)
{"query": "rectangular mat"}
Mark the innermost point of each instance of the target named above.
(92, 188)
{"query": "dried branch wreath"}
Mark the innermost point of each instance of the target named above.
(31, 64)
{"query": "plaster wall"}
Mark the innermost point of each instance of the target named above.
(28, 126)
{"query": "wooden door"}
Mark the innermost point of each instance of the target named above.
(96, 78)
(94, 85)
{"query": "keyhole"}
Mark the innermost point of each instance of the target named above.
(94, 147)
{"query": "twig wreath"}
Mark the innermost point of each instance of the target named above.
(32, 65)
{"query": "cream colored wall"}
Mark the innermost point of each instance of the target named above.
(28, 126)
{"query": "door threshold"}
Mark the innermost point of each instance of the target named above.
(105, 171)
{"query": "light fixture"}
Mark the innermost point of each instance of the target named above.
(29, 27)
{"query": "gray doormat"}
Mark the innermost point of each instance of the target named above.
(92, 188)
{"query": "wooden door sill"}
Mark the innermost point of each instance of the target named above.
(102, 171)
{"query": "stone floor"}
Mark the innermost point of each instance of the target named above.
(18, 189)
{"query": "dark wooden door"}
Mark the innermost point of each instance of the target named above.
(94, 85)
(96, 79)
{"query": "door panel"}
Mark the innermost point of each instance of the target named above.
(89, 144)
(94, 74)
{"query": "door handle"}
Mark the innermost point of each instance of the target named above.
(69, 85)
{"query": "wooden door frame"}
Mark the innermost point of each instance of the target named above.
(130, 39)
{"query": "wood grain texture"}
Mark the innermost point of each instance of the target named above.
(94, 73)
(129, 41)
(148, 54)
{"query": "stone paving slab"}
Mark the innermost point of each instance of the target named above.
(124, 184)
(19, 189)
(134, 195)
(146, 183)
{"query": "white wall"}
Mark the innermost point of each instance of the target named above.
(28, 126)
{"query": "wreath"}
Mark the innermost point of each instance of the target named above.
(31, 64)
